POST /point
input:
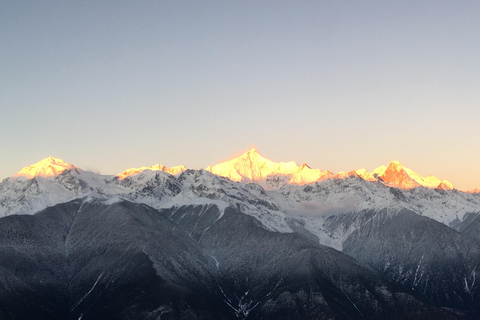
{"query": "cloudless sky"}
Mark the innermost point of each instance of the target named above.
(341, 85)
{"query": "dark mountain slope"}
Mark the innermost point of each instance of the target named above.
(267, 275)
(469, 226)
(93, 261)
(422, 254)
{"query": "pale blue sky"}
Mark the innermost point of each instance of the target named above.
(337, 84)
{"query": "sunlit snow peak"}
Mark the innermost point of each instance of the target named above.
(158, 167)
(251, 166)
(397, 175)
(48, 167)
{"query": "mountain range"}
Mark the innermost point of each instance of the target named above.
(248, 238)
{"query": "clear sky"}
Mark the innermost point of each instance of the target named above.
(341, 85)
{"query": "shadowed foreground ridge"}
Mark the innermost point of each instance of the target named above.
(88, 260)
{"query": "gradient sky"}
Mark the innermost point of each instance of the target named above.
(341, 85)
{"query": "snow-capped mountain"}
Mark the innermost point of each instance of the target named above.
(158, 167)
(252, 167)
(48, 167)
(310, 201)
(292, 192)
(385, 219)
(397, 175)
(158, 188)
(85, 259)
(313, 204)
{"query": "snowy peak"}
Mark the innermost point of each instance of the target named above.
(397, 175)
(158, 167)
(48, 167)
(251, 166)
(395, 166)
(365, 175)
(305, 175)
(252, 155)
(445, 185)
